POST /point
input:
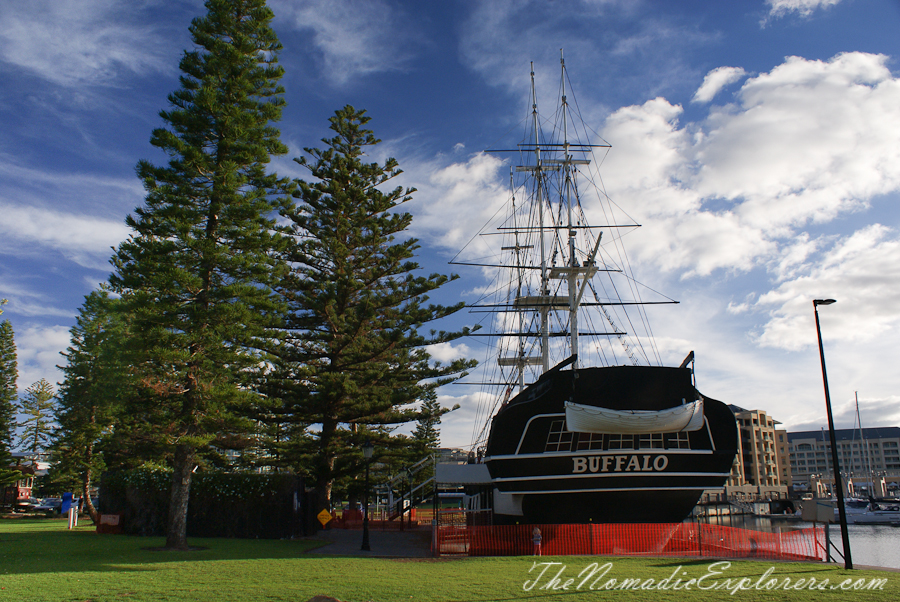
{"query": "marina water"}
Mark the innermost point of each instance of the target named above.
(870, 545)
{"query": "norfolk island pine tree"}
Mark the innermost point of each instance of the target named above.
(350, 361)
(91, 395)
(8, 394)
(195, 274)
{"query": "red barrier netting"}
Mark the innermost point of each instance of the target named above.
(678, 539)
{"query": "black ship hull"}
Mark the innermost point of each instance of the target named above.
(543, 473)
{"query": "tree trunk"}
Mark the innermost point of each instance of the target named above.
(86, 487)
(325, 478)
(89, 503)
(176, 526)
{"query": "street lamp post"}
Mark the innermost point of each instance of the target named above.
(368, 448)
(835, 462)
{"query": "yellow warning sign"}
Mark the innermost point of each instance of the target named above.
(324, 516)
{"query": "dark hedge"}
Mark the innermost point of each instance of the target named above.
(240, 505)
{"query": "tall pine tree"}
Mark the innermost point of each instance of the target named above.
(8, 393)
(36, 406)
(194, 274)
(426, 435)
(352, 360)
(92, 393)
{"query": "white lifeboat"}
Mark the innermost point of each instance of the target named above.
(592, 419)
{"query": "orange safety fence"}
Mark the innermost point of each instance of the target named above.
(382, 520)
(676, 539)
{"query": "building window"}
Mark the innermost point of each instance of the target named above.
(559, 438)
(588, 441)
(621, 442)
(677, 441)
(650, 441)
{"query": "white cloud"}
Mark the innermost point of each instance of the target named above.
(779, 8)
(83, 239)
(793, 256)
(861, 271)
(38, 353)
(803, 143)
(72, 42)
(447, 352)
(651, 168)
(23, 307)
(453, 202)
(807, 140)
(355, 38)
(34, 221)
(715, 80)
(461, 427)
(874, 412)
(25, 300)
(71, 187)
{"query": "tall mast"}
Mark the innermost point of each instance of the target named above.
(520, 361)
(862, 437)
(825, 449)
(545, 280)
(573, 260)
(519, 278)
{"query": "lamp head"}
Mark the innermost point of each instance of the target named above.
(368, 448)
(817, 302)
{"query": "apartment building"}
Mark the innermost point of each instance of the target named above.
(867, 457)
(761, 468)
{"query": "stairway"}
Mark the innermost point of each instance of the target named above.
(408, 499)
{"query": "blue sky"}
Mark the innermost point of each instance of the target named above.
(758, 142)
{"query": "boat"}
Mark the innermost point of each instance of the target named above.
(594, 419)
(584, 422)
(884, 511)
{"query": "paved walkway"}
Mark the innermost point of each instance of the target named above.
(396, 544)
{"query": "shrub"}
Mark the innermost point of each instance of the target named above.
(241, 505)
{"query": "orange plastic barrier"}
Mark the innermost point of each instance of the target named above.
(677, 539)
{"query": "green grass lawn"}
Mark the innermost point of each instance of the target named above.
(41, 560)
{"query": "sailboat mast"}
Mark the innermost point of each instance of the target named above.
(865, 444)
(573, 261)
(539, 199)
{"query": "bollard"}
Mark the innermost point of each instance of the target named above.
(73, 517)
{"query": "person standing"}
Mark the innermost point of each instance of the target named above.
(536, 538)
